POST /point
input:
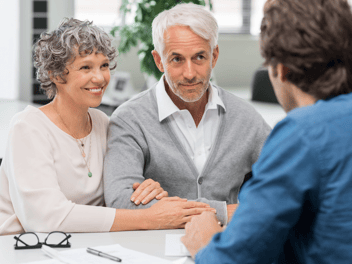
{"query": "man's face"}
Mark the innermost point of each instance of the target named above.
(187, 62)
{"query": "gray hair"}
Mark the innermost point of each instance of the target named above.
(200, 21)
(54, 50)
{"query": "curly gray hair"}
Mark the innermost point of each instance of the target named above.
(54, 50)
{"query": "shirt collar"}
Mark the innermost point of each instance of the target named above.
(166, 106)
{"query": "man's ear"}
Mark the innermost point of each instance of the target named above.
(282, 71)
(157, 60)
(215, 55)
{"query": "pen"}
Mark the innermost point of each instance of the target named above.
(102, 254)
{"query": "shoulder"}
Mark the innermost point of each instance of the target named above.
(235, 104)
(322, 118)
(98, 116)
(30, 118)
(142, 105)
(324, 112)
(242, 111)
(100, 120)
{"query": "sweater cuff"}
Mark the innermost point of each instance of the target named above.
(220, 207)
(221, 210)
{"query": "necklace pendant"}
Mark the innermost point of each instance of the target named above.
(90, 174)
(82, 145)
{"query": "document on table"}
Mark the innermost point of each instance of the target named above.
(174, 247)
(128, 256)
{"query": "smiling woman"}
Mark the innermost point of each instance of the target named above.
(51, 175)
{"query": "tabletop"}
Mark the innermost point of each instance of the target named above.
(151, 242)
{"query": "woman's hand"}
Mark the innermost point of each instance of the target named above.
(174, 212)
(147, 191)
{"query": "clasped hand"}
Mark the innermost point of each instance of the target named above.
(175, 212)
(170, 212)
(147, 191)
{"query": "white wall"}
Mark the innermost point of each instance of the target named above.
(59, 9)
(238, 59)
(9, 49)
(25, 51)
(16, 44)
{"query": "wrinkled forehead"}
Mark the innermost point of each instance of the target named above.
(183, 38)
(180, 31)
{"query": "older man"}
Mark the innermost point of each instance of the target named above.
(297, 206)
(194, 138)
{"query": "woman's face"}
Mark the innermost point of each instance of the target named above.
(86, 81)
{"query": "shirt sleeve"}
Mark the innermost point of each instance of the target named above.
(34, 188)
(271, 202)
(123, 165)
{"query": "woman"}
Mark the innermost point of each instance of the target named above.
(51, 175)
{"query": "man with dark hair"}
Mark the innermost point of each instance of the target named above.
(297, 206)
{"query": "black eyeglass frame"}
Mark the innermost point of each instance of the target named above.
(39, 245)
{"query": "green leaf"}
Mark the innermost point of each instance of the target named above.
(210, 5)
(139, 15)
(113, 30)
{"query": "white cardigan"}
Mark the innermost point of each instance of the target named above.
(44, 183)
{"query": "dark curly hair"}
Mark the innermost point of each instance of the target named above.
(54, 50)
(313, 39)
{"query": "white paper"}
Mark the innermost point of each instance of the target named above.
(174, 247)
(180, 261)
(55, 254)
(128, 256)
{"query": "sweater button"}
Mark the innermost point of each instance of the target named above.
(200, 180)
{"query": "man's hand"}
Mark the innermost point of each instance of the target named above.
(174, 212)
(147, 191)
(200, 231)
(231, 208)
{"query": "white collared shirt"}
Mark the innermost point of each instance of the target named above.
(197, 141)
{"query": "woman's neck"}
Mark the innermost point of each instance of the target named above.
(71, 118)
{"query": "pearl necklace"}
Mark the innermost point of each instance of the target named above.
(80, 142)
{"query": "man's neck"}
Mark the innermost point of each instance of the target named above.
(298, 98)
(196, 109)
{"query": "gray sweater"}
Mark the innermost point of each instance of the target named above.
(141, 147)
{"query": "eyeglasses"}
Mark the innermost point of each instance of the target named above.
(30, 240)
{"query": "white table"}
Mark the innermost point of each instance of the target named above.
(150, 242)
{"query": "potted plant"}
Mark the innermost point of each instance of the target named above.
(140, 32)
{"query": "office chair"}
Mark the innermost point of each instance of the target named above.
(261, 87)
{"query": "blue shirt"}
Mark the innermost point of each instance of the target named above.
(297, 208)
